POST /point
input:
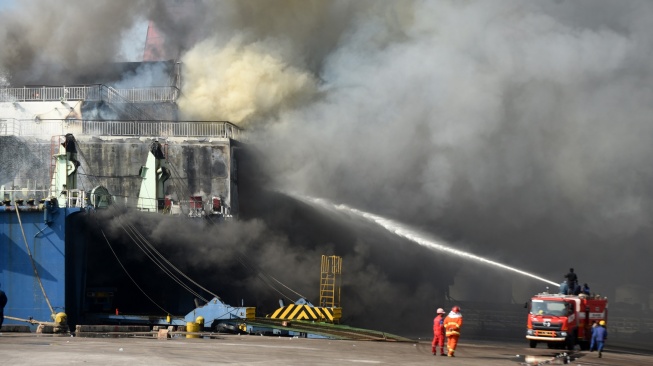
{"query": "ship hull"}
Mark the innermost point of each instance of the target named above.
(39, 265)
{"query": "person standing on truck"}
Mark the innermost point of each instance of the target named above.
(438, 333)
(563, 287)
(572, 281)
(599, 335)
(585, 289)
(452, 324)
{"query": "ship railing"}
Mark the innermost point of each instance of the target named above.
(89, 93)
(47, 128)
(75, 198)
(68, 198)
(38, 127)
(48, 93)
(22, 193)
(142, 95)
(8, 127)
(131, 110)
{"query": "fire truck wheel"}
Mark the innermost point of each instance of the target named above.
(533, 344)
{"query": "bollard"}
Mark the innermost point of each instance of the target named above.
(192, 327)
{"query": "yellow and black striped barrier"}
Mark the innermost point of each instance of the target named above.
(306, 312)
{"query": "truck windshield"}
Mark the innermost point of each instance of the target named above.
(547, 307)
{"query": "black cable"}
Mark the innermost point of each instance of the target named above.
(130, 277)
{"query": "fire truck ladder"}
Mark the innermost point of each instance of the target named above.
(330, 281)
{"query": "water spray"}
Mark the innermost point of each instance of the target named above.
(412, 234)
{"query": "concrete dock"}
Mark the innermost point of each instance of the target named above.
(43, 350)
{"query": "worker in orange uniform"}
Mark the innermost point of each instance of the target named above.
(438, 333)
(452, 324)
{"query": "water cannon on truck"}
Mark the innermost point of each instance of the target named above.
(563, 321)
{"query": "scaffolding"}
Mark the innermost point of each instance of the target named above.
(330, 281)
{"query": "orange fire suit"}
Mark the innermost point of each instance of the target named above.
(452, 324)
(438, 334)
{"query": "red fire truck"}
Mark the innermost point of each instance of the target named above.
(562, 321)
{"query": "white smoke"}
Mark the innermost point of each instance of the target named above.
(241, 82)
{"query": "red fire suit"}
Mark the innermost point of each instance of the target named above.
(452, 324)
(438, 334)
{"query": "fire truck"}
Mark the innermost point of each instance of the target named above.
(562, 321)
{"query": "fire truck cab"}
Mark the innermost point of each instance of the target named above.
(562, 321)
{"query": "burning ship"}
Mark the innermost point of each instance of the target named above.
(111, 138)
(58, 263)
(70, 148)
(72, 153)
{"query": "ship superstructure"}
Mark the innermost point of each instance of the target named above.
(115, 128)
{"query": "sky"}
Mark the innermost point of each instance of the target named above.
(519, 131)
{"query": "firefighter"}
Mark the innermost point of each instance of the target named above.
(452, 324)
(438, 333)
(599, 335)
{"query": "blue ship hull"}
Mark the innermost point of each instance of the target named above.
(40, 268)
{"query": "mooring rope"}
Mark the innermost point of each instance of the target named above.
(148, 252)
(29, 253)
(31, 321)
(130, 277)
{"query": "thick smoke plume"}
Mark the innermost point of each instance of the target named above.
(41, 38)
(516, 130)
